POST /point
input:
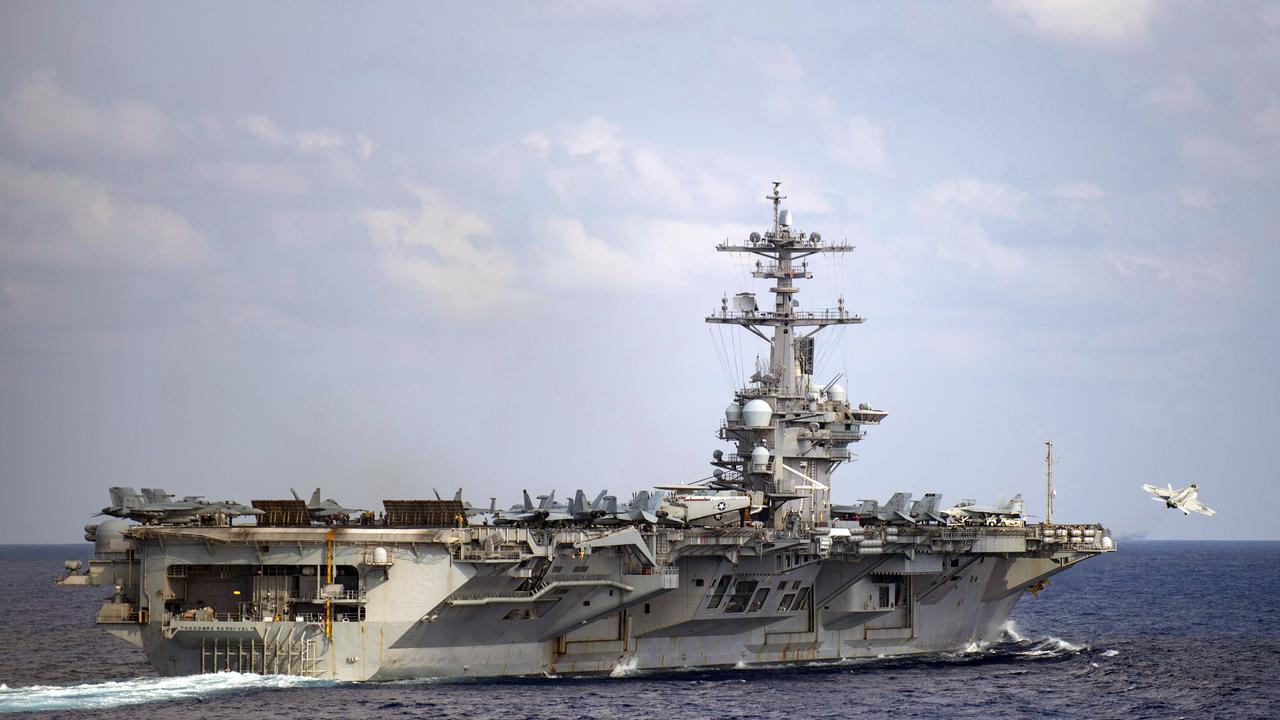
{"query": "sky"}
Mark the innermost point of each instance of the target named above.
(383, 249)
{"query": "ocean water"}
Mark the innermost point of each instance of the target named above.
(1157, 630)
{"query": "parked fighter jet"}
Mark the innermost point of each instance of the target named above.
(583, 512)
(486, 515)
(645, 507)
(926, 509)
(327, 511)
(968, 512)
(1183, 499)
(547, 510)
(869, 512)
(156, 506)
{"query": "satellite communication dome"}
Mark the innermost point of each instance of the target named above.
(733, 413)
(757, 413)
(110, 536)
(760, 458)
(836, 393)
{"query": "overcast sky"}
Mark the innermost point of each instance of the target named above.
(248, 247)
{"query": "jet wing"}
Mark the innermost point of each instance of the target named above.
(1197, 506)
(1157, 491)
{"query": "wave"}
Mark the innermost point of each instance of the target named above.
(116, 693)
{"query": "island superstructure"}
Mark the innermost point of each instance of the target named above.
(753, 565)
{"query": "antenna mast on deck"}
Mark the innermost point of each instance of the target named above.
(1049, 460)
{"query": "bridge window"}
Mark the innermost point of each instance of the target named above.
(758, 601)
(741, 595)
(717, 594)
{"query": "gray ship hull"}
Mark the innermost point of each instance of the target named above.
(483, 602)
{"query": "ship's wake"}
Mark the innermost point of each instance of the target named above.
(116, 693)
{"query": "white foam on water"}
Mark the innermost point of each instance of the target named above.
(1110, 653)
(116, 693)
(1011, 631)
(625, 668)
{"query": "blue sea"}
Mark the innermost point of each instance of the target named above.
(1156, 630)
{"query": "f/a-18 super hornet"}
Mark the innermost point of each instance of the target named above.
(546, 511)
(644, 507)
(325, 511)
(583, 511)
(870, 512)
(156, 506)
(969, 512)
(1183, 499)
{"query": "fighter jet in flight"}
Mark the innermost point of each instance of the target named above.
(1183, 499)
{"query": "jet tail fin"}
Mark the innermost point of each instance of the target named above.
(125, 498)
(315, 497)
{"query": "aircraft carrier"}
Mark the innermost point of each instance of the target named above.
(753, 565)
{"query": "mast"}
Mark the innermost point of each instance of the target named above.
(783, 246)
(1049, 460)
(791, 431)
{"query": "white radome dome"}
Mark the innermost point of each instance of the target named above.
(836, 393)
(733, 413)
(760, 458)
(757, 413)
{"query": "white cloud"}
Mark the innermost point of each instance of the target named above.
(1097, 23)
(434, 250)
(642, 254)
(538, 141)
(307, 142)
(1266, 122)
(1187, 272)
(1178, 95)
(1197, 197)
(577, 259)
(1214, 154)
(1078, 191)
(971, 196)
(595, 159)
(858, 143)
(365, 146)
(58, 220)
(40, 114)
(256, 178)
(952, 219)
(263, 128)
(597, 138)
